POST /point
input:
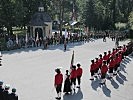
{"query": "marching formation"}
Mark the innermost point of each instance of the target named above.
(109, 63)
(4, 92)
(105, 65)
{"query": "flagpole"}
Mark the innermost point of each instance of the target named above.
(72, 60)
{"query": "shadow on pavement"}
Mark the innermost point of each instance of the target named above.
(114, 84)
(122, 76)
(75, 96)
(95, 84)
(121, 81)
(122, 68)
(106, 91)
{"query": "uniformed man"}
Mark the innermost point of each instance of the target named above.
(1, 90)
(73, 76)
(104, 70)
(13, 95)
(79, 74)
(6, 92)
(58, 82)
(0, 63)
(111, 67)
(92, 69)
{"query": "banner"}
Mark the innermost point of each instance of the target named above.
(37, 37)
(66, 34)
(17, 38)
(26, 38)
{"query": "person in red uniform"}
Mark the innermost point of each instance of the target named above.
(113, 52)
(116, 64)
(79, 74)
(100, 61)
(104, 70)
(92, 69)
(58, 83)
(73, 76)
(108, 57)
(119, 60)
(97, 67)
(124, 51)
(105, 57)
(111, 67)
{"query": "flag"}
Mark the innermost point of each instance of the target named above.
(66, 34)
(37, 37)
(26, 38)
(72, 60)
(17, 38)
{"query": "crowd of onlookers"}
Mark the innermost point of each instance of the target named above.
(14, 42)
(5, 94)
(109, 62)
(0, 59)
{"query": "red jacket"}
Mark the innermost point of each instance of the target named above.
(58, 79)
(108, 56)
(116, 60)
(100, 61)
(113, 53)
(97, 64)
(93, 67)
(120, 58)
(105, 57)
(104, 69)
(73, 74)
(124, 49)
(111, 63)
(79, 71)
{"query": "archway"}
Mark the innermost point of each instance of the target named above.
(40, 33)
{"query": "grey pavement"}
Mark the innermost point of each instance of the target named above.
(31, 71)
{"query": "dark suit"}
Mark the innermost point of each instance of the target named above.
(1, 93)
(13, 96)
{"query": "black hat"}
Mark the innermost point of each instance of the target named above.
(57, 70)
(117, 55)
(13, 90)
(1, 83)
(67, 71)
(100, 55)
(109, 51)
(96, 58)
(105, 52)
(78, 65)
(104, 62)
(92, 61)
(74, 66)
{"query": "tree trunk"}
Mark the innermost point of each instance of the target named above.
(114, 13)
(60, 18)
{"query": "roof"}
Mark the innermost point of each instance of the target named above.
(39, 19)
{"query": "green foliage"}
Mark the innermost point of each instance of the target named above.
(103, 14)
(130, 20)
(97, 14)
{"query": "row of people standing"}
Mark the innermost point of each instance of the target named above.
(107, 63)
(0, 59)
(4, 92)
(69, 81)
